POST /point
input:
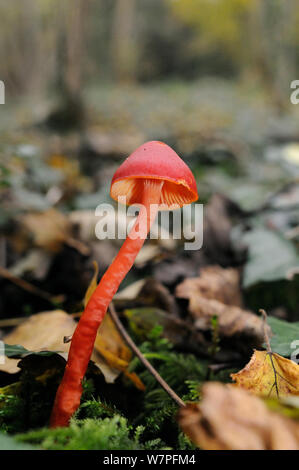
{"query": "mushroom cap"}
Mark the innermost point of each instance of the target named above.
(156, 161)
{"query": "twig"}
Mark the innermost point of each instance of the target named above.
(7, 322)
(269, 352)
(29, 287)
(266, 336)
(144, 361)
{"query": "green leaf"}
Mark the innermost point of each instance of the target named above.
(17, 351)
(9, 443)
(284, 334)
(270, 257)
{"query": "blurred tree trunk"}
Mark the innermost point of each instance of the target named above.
(123, 46)
(26, 38)
(75, 37)
(272, 30)
(71, 55)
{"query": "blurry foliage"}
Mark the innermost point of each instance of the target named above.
(140, 40)
(220, 24)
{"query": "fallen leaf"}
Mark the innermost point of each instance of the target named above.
(285, 336)
(229, 418)
(231, 320)
(47, 230)
(146, 254)
(130, 292)
(142, 320)
(262, 264)
(269, 374)
(43, 331)
(221, 298)
(214, 283)
(16, 351)
(111, 346)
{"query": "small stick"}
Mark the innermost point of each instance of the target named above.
(144, 361)
(269, 352)
(7, 322)
(29, 287)
(266, 336)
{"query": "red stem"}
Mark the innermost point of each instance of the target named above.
(70, 390)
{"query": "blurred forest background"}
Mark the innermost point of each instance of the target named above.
(47, 45)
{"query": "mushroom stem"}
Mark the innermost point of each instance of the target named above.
(70, 390)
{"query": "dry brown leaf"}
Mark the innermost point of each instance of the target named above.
(214, 283)
(269, 374)
(47, 230)
(146, 254)
(130, 292)
(231, 320)
(229, 418)
(43, 331)
(216, 293)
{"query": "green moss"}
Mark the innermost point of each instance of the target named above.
(90, 434)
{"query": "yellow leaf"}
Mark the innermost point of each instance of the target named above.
(269, 374)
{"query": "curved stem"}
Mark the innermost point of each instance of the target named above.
(70, 390)
(143, 359)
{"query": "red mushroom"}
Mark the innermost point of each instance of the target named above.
(155, 177)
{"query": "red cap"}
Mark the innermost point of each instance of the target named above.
(155, 160)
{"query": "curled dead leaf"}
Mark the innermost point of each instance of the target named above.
(47, 230)
(216, 293)
(231, 320)
(232, 419)
(214, 283)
